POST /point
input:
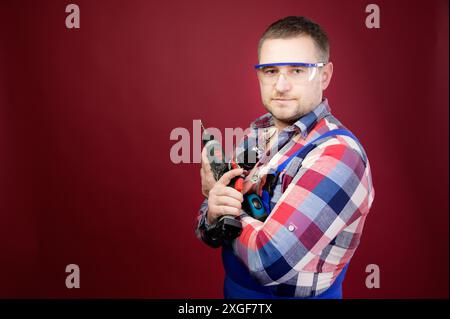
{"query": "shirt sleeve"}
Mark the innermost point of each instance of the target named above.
(327, 194)
(201, 219)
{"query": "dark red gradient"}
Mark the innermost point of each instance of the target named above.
(86, 115)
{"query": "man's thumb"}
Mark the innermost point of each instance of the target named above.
(228, 176)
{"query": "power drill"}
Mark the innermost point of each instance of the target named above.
(227, 226)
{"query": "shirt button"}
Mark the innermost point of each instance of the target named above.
(291, 227)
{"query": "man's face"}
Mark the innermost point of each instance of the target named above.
(286, 100)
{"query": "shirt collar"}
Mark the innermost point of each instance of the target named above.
(304, 124)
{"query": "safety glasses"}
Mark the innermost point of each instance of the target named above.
(295, 72)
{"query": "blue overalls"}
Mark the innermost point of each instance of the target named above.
(239, 284)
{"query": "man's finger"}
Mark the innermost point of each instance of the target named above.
(227, 210)
(228, 201)
(228, 176)
(230, 192)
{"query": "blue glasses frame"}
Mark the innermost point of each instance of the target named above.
(308, 65)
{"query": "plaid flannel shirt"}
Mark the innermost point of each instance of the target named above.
(318, 208)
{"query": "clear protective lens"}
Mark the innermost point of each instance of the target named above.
(296, 73)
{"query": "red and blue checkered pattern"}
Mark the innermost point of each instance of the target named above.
(319, 206)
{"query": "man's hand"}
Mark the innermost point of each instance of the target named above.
(208, 180)
(224, 200)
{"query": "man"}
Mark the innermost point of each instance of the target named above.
(320, 198)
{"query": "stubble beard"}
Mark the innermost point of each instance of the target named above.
(293, 113)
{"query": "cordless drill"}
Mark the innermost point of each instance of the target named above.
(227, 226)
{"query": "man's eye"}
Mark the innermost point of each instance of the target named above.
(297, 71)
(269, 71)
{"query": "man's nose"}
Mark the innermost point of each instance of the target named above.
(282, 84)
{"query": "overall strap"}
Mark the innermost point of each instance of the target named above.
(301, 153)
(305, 149)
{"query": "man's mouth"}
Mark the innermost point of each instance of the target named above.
(283, 100)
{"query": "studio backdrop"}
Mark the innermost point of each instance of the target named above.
(90, 111)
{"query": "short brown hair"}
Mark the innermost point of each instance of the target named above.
(293, 26)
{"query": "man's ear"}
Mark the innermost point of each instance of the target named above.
(327, 73)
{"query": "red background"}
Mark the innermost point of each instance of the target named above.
(86, 115)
